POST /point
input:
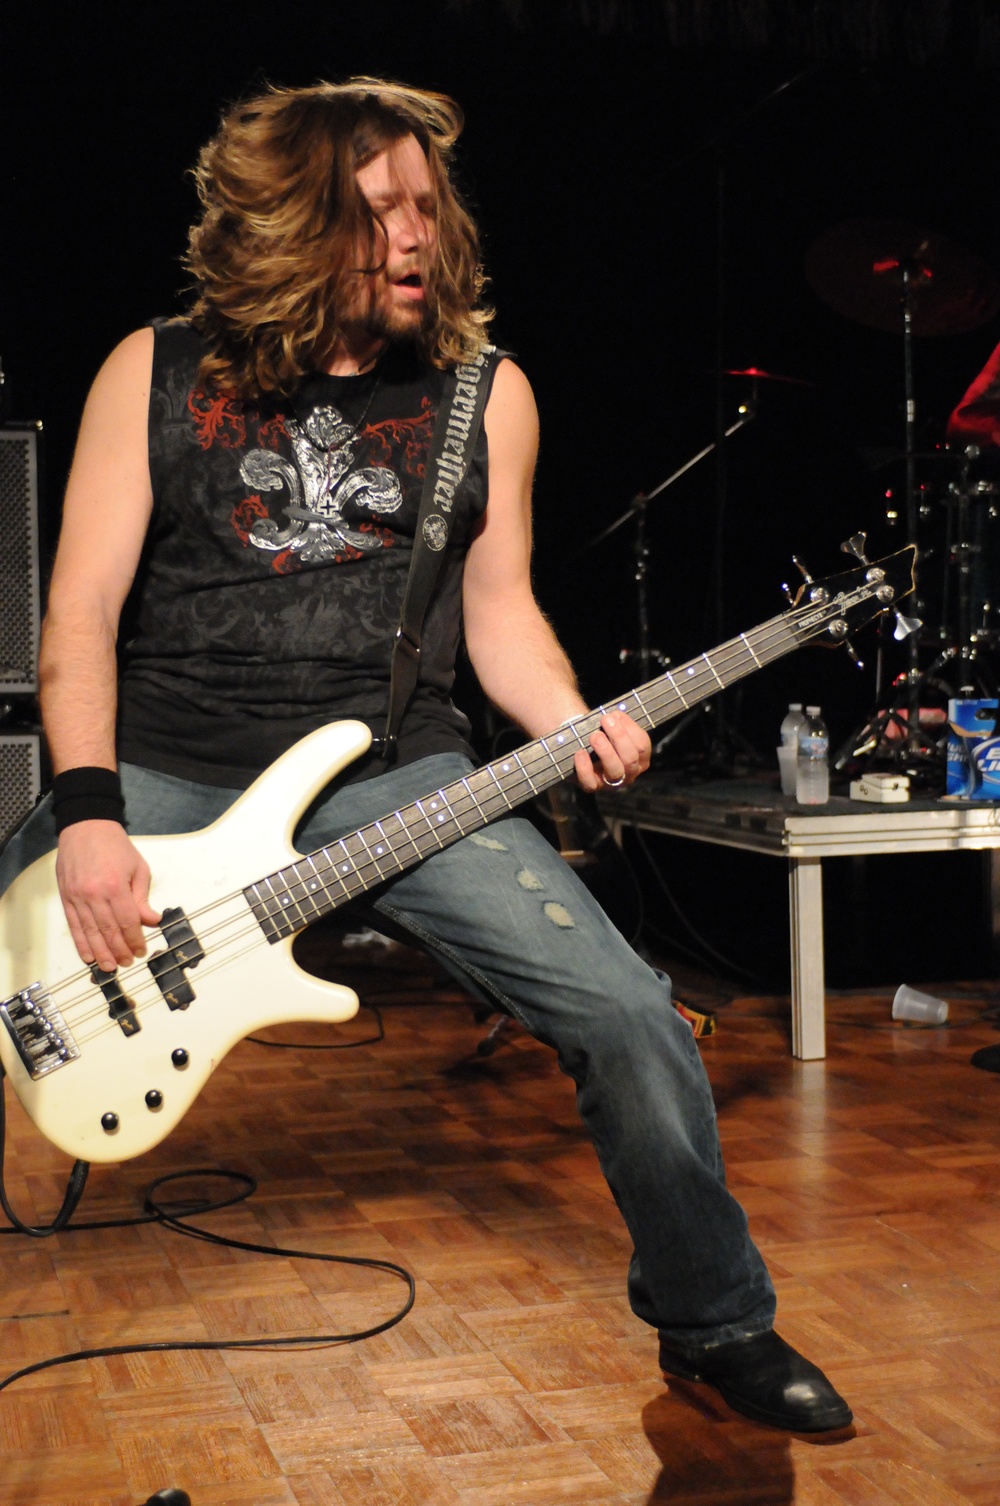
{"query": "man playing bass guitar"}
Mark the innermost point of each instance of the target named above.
(237, 534)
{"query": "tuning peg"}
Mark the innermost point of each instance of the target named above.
(802, 570)
(788, 593)
(905, 626)
(853, 653)
(856, 545)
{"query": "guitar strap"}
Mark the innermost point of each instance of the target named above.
(456, 430)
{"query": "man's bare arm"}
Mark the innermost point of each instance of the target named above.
(514, 651)
(103, 881)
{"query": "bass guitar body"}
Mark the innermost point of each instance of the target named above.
(145, 1044)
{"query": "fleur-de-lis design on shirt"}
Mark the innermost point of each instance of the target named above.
(319, 483)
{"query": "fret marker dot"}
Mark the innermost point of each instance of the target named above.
(560, 738)
(506, 767)
(690, 669)
(434, 805)
(621, 705)
(345, 867)
(380, 849)
(441, 817)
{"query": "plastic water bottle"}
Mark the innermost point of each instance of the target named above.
(793, 721)
(788, 750)
(812, 781)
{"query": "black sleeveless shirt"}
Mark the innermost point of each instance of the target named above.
(273, 574)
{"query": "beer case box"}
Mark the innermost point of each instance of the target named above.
(973, 770)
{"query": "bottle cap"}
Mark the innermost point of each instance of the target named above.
(795, 705)
(812, 711)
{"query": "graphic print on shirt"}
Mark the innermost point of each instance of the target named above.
(319, 483)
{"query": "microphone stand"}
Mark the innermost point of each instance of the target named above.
(645, 657)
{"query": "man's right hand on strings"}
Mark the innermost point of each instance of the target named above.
(104, 884)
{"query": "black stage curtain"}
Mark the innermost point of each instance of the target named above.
(916, 31)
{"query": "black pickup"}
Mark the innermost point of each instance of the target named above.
(120, 1006)
(183, 950)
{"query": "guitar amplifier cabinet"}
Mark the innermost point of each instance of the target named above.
(20, 587)
(20, 778)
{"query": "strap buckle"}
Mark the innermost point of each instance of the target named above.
(386, 747)
(406, 642)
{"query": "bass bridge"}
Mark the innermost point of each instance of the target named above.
(40, 1035)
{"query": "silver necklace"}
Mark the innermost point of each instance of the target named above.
(335, 475)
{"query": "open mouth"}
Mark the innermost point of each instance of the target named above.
(411, 280)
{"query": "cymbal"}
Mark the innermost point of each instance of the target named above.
(882, 457)
(768, 376)
(857, 268)
(987, 460)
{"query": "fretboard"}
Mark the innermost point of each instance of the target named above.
(332, 876)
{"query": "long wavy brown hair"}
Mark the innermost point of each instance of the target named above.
(277, 244)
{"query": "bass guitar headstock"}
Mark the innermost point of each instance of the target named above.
(840, 604)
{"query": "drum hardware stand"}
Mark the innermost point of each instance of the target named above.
(679, 725)
(964, 551)
(889, 734)
(902, 278)
(873, 738)
(914, 740)
(920, 754)
(911, 745)
(910, 749)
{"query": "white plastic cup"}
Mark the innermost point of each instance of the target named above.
(910, 1004)
(788, 760)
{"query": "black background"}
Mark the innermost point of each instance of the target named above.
(592, 158)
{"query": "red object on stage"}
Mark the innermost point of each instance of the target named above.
(976, 420)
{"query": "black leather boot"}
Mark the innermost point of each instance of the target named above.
(766, 1379)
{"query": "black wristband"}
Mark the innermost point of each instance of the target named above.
(87, 794)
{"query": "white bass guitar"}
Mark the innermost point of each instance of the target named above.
(107, 1064)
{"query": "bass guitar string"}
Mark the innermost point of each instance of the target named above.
(247, 939)
(648, 702)
(698, 682)
(366, 866)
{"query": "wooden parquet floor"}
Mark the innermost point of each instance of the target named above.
(521, 1378)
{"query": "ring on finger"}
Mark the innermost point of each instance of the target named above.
(614, 784)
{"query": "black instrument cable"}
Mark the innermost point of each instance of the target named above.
(175, 1216)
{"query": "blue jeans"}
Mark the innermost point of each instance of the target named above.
(504, 913)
